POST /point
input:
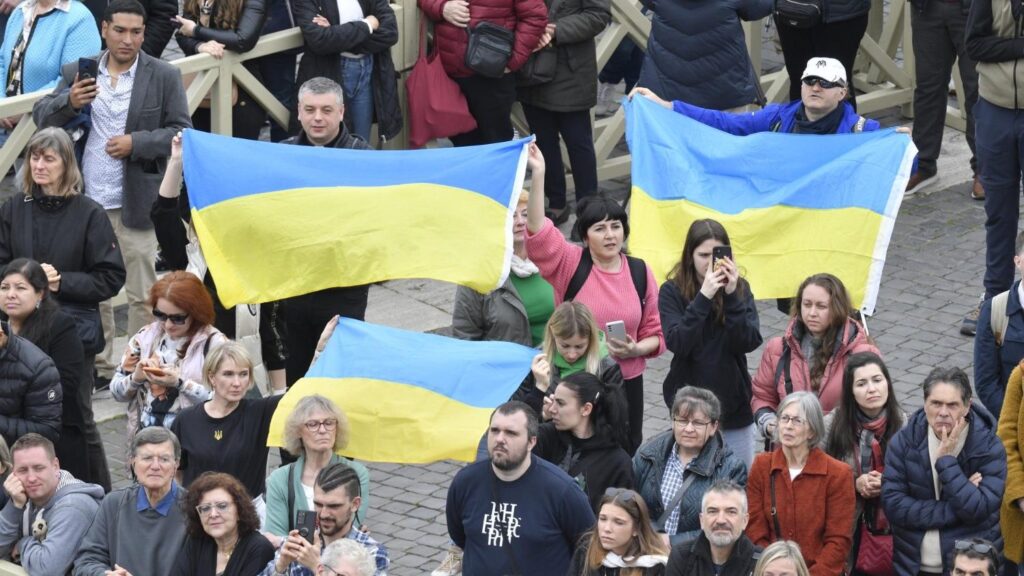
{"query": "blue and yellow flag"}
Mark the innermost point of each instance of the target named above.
(794, 205)
(410, 398)
(276, 221)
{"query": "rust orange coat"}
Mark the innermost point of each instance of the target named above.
(815, 510)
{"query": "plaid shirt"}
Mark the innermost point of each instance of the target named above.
(378, 550)
(671, 483)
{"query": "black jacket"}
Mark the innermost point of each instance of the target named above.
(578, 565)
(324, 46)
(693, 558)
(598, 464)
(842, 10)
(575, 84)
(158, 25)
(76, 239)
(708, 354)
(241, 39)
(345, 140)
(30, 390)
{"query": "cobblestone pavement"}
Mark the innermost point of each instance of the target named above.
(931, 279)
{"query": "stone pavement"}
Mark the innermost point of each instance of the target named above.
(932, 277)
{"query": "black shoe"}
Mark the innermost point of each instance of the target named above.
(969, 325)
(100, 383)
(161, 265)
(558, 219)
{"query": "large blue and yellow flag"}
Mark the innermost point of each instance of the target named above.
(276, 221)
(410, 397)
(794, 205)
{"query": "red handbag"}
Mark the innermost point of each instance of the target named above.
(437, 108)
(874, 554)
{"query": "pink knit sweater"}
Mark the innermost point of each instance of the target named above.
(610, 296)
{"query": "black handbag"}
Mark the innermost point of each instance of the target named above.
(86, 316)
(799, 13)
(541, 66)
(489, 49)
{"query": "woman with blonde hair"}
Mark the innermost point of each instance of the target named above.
(228, 432)
(782, 558)
(316, 430)
(623, 542)
(70, 236)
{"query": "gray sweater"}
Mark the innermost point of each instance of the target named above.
(67, 515)
(145, 543)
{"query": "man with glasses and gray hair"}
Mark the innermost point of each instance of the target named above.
(722, 549)
(139, 530)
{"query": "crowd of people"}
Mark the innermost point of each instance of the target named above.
(847, 482)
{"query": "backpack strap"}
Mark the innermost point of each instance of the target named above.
(859, 126)
(637, 272)
(291, 497)
(774, 510)
(782, 368)
(999, 319)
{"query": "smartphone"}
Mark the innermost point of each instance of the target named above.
(719, 252)
(616, 330)
(87, 68)
(305, 523)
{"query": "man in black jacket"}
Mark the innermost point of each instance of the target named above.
(722, 549)
(321, 111)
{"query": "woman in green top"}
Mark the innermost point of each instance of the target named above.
(316, 430)
(572, 343)
(515, 312)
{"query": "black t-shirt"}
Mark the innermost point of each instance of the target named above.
(235, 444)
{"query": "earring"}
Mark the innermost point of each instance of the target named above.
(39, 303)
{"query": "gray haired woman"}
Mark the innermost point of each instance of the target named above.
(347, 557)
(316, 430)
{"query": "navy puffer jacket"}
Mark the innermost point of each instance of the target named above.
(30, 392)
(696, 52)
(965, 511)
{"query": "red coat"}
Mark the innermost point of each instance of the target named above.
(815, 510)
(767, 391)
(526, 17)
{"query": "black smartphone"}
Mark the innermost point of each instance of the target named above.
(305, 523)
(719, 252)
(87, 68)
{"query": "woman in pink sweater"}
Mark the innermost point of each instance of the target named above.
(617, 288)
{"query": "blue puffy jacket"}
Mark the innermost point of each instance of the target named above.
(965, 511)
(696, 51)
(993, 364)
(771, 118)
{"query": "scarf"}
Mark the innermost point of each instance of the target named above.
(829, 124)
(523, 268)
(877, 429)
(613, 560)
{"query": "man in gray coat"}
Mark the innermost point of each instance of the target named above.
(136, 104)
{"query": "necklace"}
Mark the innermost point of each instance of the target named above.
(227, 553)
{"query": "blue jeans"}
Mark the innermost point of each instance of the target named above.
(999, 142)
(357, 82)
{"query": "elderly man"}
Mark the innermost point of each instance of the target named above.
(722, 549)
(944, 476)
(49, 510)
(822, 108)
(139, 530)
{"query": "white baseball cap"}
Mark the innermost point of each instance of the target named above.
(828, 69)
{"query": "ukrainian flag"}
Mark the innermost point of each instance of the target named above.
(794, 205)
(276, 221)
(410, 398)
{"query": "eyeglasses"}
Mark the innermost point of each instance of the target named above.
(967, 545)
(624, 494)
(205, 509)
(329, 424)
(149, 459)
(794, 420)
(176, 319)
(825, 84)
(685, 422)
(332, 570)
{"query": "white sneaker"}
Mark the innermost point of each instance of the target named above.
(452, 563)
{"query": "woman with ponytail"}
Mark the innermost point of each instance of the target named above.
(587, 434)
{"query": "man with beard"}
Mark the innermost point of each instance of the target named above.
(336, 497)
(512, 513)
(722, 549)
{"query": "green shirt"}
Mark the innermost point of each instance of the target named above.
(539, 300)
(565, 369)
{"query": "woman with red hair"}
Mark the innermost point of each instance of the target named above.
(161, 371)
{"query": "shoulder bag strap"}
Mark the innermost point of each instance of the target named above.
(782, 369)
(291, 497)
(675, 501)
(26, 224)
(775, 511)
(999, 319)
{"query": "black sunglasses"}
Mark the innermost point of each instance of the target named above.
(966, 545)
(624, 494)
(176, 319)
(825, 84)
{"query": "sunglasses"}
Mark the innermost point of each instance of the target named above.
(624, 494)
(176, 319)
(965, 545)
(825, 84)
